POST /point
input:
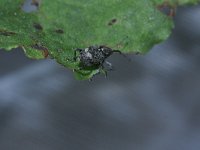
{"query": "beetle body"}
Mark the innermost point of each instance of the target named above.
(93, 55)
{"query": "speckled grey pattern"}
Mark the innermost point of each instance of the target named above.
(151, 103)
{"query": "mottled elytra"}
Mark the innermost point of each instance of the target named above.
(113, 21)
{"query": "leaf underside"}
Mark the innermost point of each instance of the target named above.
(58, 27)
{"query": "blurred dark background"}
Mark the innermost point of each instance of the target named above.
(151, 103)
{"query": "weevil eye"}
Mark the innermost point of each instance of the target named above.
(106, 51)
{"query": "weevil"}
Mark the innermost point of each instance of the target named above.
(95, 56)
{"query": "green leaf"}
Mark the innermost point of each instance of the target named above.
(59, 27)
(175, 2)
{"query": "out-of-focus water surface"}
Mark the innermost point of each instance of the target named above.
(151, 103)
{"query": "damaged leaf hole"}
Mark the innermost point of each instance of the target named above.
(112, 22)
(37, 26)
(30, 5)
(38, 46)
(35, 3)
(60, 31)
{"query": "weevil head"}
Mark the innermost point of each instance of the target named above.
(106, 51)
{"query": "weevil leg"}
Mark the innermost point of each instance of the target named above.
(95, 75)
(110, 66)
(103, 71)
(75, 54)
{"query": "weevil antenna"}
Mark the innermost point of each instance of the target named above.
(118, 51)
